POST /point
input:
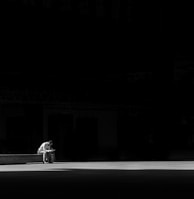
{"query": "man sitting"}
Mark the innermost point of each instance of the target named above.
(47, 151)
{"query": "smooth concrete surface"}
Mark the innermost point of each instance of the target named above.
(98, 180)
(132, 165)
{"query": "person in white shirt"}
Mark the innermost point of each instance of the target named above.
(45, 149)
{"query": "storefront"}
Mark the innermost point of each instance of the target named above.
(79, 132)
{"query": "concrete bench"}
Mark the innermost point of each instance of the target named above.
(20, 158)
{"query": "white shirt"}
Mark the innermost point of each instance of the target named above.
(44, 147)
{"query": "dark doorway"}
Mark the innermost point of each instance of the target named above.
(71, 144)
(87, 138)
(60, 130)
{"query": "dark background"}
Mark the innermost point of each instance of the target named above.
(141, 52)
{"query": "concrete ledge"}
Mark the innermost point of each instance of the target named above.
(20, 158)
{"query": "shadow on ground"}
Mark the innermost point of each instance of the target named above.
(89, 183)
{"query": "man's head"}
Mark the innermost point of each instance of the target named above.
(50, 142)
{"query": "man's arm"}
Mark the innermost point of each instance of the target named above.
(50, 150)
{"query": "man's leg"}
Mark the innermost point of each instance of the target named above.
(44, 157)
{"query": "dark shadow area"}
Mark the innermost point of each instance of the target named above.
(98, 183)
(23, 129)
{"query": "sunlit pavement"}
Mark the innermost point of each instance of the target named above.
(98, 179)
(133, 165)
